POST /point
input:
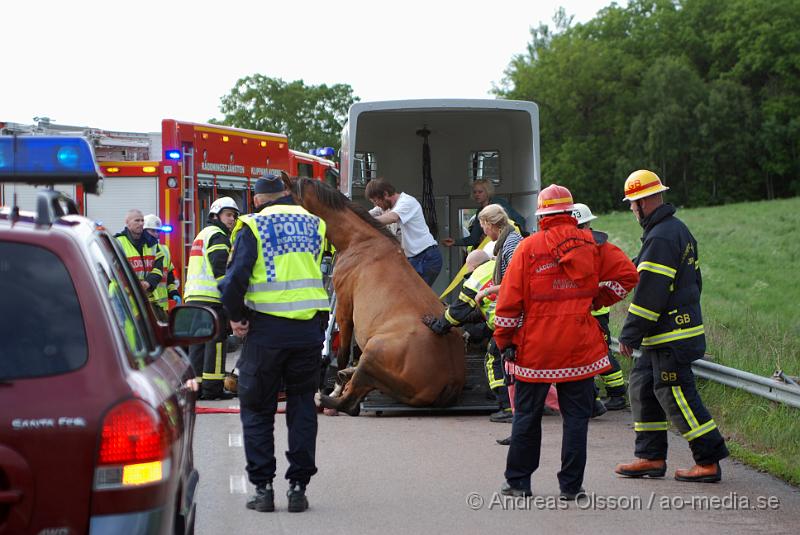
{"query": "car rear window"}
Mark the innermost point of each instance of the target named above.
(42, 331)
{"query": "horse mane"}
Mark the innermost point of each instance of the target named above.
(336, 200)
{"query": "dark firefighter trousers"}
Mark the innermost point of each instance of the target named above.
(208, 360)
(261, 370)
(662, 391)
(496, 375)
(575, 399)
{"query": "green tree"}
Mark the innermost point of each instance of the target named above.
(310, 115)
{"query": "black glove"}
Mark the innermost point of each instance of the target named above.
(510, 354)
(439, 326)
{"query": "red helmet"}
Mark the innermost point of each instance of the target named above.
(554, 199)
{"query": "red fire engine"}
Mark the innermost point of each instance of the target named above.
(176, 174)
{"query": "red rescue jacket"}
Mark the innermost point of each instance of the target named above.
(555, 279)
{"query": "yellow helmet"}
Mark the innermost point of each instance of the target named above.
(641, 184)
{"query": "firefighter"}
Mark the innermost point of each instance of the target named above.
(554, 281)
(665, 321)
(470, 309)
(613, 380)
(273, 293)
(207, 261)
(142, 252)
(168, 285)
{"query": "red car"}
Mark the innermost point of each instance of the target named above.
(96, 405)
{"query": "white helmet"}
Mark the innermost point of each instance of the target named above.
(222, 203)
(152, 221)
(582, 213)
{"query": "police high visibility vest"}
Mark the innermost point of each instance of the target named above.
(160, 295)
(142, 263)
(286, 279)
(482, 278)
(201, 285)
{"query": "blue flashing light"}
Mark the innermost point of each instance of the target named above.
(173, 154)
(166, 228)
(326, 152)
(48, 160)
(313, 152)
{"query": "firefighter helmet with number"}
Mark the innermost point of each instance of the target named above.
(554, 199)
(221, 204)
(641, 184)
(582, 213)
(152, 221)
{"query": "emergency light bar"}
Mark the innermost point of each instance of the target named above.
(325, 152)
(44, 160)
(173, 154)
(166, 228)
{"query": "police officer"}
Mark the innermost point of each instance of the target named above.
(273, 293)
(207, 262)
(665, 320)
(168, 285)
(142, 252)
(613, 380)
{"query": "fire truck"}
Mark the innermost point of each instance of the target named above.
(176, 173)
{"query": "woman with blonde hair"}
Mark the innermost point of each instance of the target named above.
(483, 194)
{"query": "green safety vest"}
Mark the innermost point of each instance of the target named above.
(201, 285)
(286, 280)
(482, 278)
(142, 263)
(160, 295)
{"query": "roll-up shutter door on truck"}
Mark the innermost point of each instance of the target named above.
(121, 194)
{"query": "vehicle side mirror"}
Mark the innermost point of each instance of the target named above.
(192, 324)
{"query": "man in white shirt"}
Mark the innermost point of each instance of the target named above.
(419, 245)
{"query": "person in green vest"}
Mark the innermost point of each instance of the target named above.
(142, 252)
(275, 299)
(168, 285)
(207, 262)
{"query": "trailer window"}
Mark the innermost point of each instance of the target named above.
(365, 168)
(305, 170)
(485, 164)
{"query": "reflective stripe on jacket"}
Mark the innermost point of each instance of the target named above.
(286, 279)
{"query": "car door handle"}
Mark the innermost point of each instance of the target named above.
(10, 496)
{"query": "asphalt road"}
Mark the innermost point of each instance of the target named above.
(416, 473)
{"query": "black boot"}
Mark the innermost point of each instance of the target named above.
(263, 500)
(615, 403)
(297, 497)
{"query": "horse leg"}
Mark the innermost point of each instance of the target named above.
(354, 391)
(344, 318)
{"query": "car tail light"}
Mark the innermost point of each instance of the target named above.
(134, 447)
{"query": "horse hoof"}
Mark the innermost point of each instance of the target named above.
(330, 412)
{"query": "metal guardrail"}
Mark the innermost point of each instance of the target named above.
(765, 387)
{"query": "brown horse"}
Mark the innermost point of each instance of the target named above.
(381, 298)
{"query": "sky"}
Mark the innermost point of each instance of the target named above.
(125, 65)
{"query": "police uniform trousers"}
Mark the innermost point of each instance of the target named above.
(261, 369)
(575, 399)
(663, 391)
(613, 380)
(208, 360)
(495, 374)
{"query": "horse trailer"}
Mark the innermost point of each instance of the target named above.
(434, 149)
